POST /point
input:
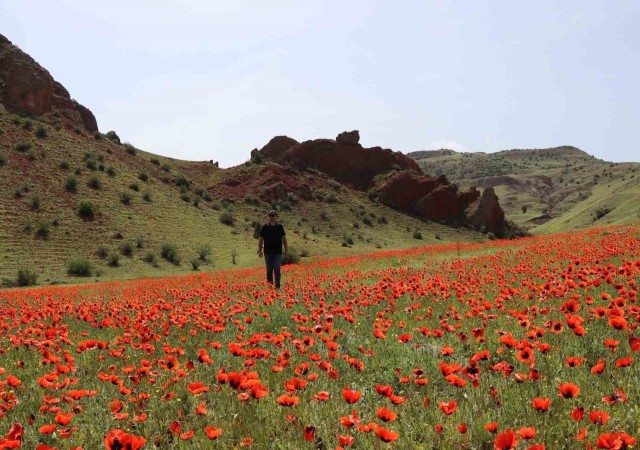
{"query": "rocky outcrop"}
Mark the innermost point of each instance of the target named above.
(486, 213)
(351, 164)
(349, 137)
(27, 89)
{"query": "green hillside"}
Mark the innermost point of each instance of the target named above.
(144, 201)
(546, 190)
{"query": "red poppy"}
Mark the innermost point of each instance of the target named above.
(491, 427)
(462, 428)
(386, 415)
(345, 441)
(309, 433)
(527, 433)
(448, 407)
(506, 440)
(541, 404)
(212, 432)
(578, 413)
(351, 396)
(288, 400)
(599, 417)
(568, 390)
(386, 435)
(117, 439)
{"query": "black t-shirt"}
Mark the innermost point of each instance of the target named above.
(272, 235)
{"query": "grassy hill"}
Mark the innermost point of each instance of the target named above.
(144, 201)
(546, 190)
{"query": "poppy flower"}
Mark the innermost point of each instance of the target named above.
(527, 433)
(351, 396)
(599, 417)
(117, 439)
(63, 419)
(462, 428)
(568, 390)
(506, 440)
(536, 447)
(47, 429)
(386, 415)
(349, 421)
(578, 413)
(615, 441)
(288, 400)
(541, 404)
(384, 390)
(345, 441)
(491, 427)
(624, 362)
(448, 407)
(309, 433)
(212, 432)
(386, 435)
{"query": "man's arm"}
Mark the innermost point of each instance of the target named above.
(260, 241)
(286, 247)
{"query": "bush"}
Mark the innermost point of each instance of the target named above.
(170, 253)
(151, 258)
(251, 200)
(35, 202)
(130, 149)
(195, 263)
(417, 234)
(182, 181)
(196, 201)
(155, 161)
(166, 167)
(126, 248)
(185, 197)
(79, 268)
(64, 165)
(71, 184)
(94, 182)
(142, 176)
(347, 239)
(140, 242)
(292, 257)
(23, 146)
(146, 196)
(97, 135)
(26, 277)
(113, 137)
(91, 164)
(42, 228)
(600, 213)
(226, 218)
(111, 171)
(87, 209)
(134, 186)
(491, 236)
(204, 251)
(41, 132)
(113, 260)
(126, 197)
(31, 155)
(3, 160)
(102, 252)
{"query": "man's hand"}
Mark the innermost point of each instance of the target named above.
(260, 253)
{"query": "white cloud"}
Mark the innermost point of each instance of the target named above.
(450, 144)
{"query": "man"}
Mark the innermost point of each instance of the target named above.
(272, 235)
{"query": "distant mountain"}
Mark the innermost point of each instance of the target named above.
(545, 190)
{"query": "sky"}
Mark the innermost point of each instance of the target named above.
(211, 80)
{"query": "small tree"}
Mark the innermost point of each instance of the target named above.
(26, 277)
(79, 268)
(195, 263)
(204, 251)
(169, 252)
(87, 209)
(227, 218)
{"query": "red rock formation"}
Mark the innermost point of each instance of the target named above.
(26, 88)
(348, 163)
(486, 213)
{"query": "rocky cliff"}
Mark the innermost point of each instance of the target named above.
(391, 177)
(28, 89)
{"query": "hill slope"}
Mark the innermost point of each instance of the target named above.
(546, 190)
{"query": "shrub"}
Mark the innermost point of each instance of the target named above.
(600, 213)
(126, 197)
(134, 187)
(182, 181)
(170, 253)
(140, 242)
(41, 132)
(196, 201)
(26, 277)
(102, 252)
(3, 160)
(42, 228)
(97, 136)
(31, 155)
(292, 257)
(94, 182)
(185, 197)
(87, 209)
(111, 171)
(130, 149)
(142, 176)
(35, 202)
(71, 184)
(417, 234)
(204, 251)
(155, 161)
(79, 268)
(166, 167)
(491, 236)
(146, 196)
(234, 256)
(91, 164)
(113, 137)
(126, 248)
(195, 263)
(151, 258)
(226, 218)
(347, 239)
(251, 200)
(113, 260)
(23, 146)
(27, 124)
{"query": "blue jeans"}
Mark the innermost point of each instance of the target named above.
(273, 261)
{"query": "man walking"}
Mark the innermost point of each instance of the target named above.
(272, 235)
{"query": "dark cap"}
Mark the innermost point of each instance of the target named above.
(272, 212)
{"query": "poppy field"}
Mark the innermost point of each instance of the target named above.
(526, 344)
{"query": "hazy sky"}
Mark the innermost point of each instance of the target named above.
(214, 79)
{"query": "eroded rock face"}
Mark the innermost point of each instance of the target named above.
(26, 88)
(485, 212)
(349, 137)
(350, 164)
